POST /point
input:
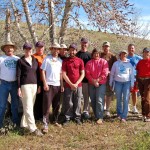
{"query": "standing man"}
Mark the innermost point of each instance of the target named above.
(53, 85)
(110, 58)
(38, 106)
(85, 56)
(143, 78)
(134, 59)
(8, 83)
(73, 74)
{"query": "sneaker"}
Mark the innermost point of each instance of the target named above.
(66, 122)
(45, 130)
(135, 111)
(123, 120)
(78, 121)
(57, 124)
(99, 121)
(37, 132)
(107, 113)
(147, 120)
(129, 110)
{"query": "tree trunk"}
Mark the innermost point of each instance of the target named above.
(29, 21)
(17, 22)
(7, 27)
(64, 22)
(52, 31)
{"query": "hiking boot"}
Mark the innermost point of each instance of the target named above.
(135, 111)
(37, 132)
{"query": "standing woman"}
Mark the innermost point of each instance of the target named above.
(96, 72)
(143, 78)
(28, 77)
(122, 80)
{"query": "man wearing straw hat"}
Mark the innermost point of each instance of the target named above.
(53, 85)
(8, 84)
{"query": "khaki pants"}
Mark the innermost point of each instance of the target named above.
(28, 99)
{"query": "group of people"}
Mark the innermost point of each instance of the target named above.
(65, 76)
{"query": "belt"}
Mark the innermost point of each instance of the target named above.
(144, 78)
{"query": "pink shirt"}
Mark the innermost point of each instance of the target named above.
(95, 69)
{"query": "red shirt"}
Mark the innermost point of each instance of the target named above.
(73, 67)
(143, 68)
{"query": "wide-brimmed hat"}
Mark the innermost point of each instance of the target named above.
(7, 44)
(55, 45)
(63, 46)
(106, 43)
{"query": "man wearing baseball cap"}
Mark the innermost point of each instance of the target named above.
(39, 55)
(110, 58)
(73, 74)
(85, 56)
(143, 78)
(8, 83)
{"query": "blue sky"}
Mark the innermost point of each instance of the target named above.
(143, 6)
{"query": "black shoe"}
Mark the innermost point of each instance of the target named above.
(66, 122)
(85, 116)
(78, 121)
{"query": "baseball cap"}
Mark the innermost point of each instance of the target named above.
(123, 51)
(146, 49)
(73, 45)
(39, 44)
(106, 43)
(27, 46)
(84, 40)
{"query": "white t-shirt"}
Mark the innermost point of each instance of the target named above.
(52, 66)
(8, 67)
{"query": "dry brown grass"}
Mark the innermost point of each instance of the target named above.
(112, 135)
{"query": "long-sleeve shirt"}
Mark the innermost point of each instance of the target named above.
(26, 73)
(122, 71)
(95, 69)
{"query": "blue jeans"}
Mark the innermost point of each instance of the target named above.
(122, 90)
(97, 99)
(7, 88)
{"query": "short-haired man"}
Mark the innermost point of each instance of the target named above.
(53, 85)
(85, 56)
(143, 78)
(110, 58)
(134, 59)
(73, 74)
(39, 55)
(8, 83)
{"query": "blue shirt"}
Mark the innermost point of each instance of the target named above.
(134, 60)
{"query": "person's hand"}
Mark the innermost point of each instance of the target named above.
(19, 93)
(39, 90)
(46, 87)
(62, 89)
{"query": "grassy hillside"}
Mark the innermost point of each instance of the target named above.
(96, 38)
